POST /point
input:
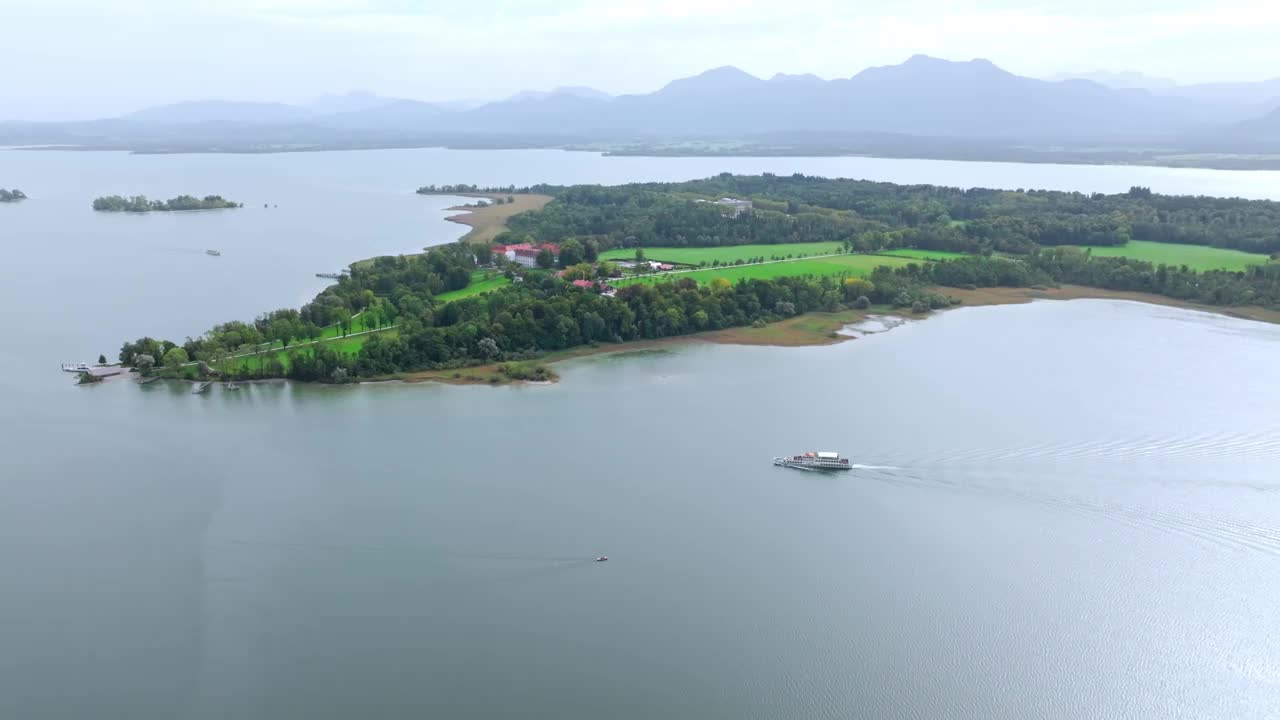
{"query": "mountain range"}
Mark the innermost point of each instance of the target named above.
(936, 102)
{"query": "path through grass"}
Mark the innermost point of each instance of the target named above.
(859, 265)
(725, 254)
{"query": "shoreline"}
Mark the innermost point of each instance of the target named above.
(489, 221)
(983, 297)
(1233, 162)
(822, 329)
(815, 329)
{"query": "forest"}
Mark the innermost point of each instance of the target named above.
(12, 195)
(876, 215)
(140, 203)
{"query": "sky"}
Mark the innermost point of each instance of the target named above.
(78, 59)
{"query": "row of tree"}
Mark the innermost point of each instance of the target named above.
(12, 195)
(140, 203)
(877, 215)
(1257, 285)
(374, 296)
(463, 189)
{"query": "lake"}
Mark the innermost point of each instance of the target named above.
(1062, 509)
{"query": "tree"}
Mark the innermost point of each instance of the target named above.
(570, 252)
(175, 357)
(640, 255)
(484, 254)
(862, 303)
(144, 363)
(545, 259)
(102, 359)
(489, 348)
(342, 318)
(854, 287)
(581, 271)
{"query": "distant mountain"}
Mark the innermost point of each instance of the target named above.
(971, 109)
(1262, 130)
(808, 79)
(924, 96)
(354, 101)
(577, 91)
(1127, 80)
(395, 115)
(220, 111)
(1240, 99)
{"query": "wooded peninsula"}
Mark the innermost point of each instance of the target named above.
(141, 204)
(592, 268)
(12, 195)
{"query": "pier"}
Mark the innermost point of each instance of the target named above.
(98, 371)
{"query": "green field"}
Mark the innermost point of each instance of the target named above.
(1196, 257)
(479, 284)
(725, 254)
(915, 254)
(347, 345)
(838, 265)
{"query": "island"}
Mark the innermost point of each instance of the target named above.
(745, 259)
(142, 204)
(12, 195)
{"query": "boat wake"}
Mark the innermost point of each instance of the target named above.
(1257, 444)
(1218, 531)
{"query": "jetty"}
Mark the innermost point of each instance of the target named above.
(98, 371)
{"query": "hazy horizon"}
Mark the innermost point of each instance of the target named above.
(79, 60)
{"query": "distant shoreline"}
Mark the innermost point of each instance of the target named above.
(1200, 161)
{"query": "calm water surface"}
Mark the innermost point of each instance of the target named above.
(1066, 509)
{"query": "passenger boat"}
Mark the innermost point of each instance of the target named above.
(814, 461)
(214, 253)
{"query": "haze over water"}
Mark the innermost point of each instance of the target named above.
(1065, 510)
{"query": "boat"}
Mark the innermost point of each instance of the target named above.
(332, 276)
(76, 367)
(214, 253)
(814, 461)
(602, 558)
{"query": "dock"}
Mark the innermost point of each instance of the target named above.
(98, 371)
